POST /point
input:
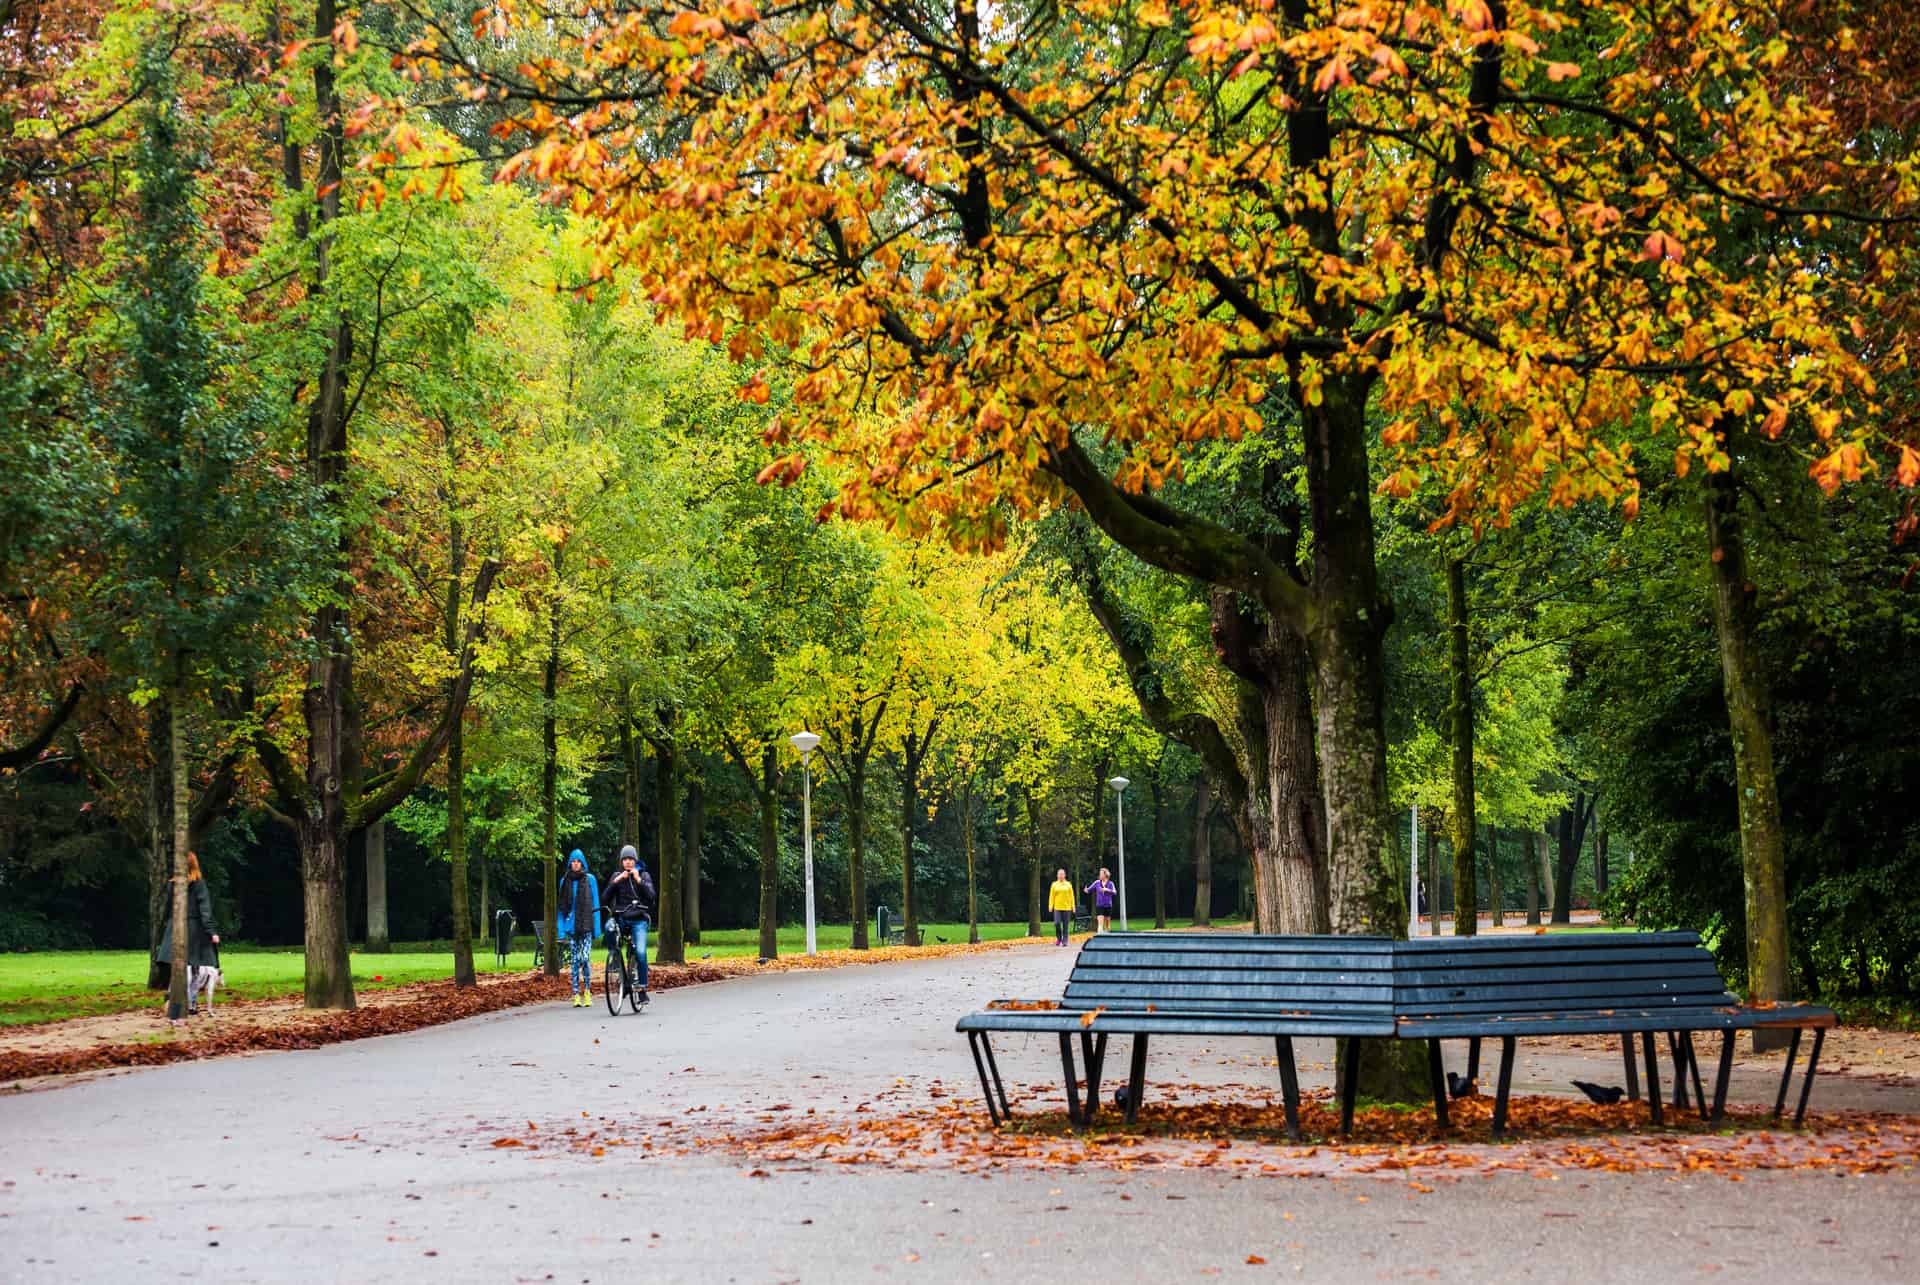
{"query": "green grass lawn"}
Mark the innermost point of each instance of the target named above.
(40, 986)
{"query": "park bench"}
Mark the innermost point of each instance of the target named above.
(1625, 984)
(1196, 984)
(888, 930)
(1433, 989)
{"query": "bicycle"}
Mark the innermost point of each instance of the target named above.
(622, 967)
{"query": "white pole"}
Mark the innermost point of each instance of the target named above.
(1120, 830)
(806, 820)
(1413, 876)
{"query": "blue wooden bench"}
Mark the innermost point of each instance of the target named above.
(1204, 984)
(1433, 989)
(1627, 984)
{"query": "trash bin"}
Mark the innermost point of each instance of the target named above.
(502, 934)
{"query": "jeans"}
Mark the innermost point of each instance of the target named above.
(582, 955)
(639, 930)
(1062, 920)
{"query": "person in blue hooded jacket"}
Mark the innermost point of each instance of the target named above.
(578, 923)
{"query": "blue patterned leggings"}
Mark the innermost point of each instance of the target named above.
(582, 956)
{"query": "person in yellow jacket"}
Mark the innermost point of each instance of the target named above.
(1060, 902)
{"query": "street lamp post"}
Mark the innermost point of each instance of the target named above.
(1119, 786)
(806, 743)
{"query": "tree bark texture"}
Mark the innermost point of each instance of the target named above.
(966, 830)
(913, 757)
(374, 841)
(1749, 698)
(1036, 881)
(159, 801)
(1572, 839)
(856, 785)
(672, 928)
(1202, 849)
(1532, 856)
(1160, 852)
(1460, 820)
(1265, 771)
(463, 971)
(549, 784)
(696, 833)
(177, 765)
(769, 792)
(1494, 891)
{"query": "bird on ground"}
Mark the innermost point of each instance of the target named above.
(1120, 1098)
(1605, 1094)
(1459, 1086)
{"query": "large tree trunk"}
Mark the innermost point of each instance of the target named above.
(1460, 820)
(696, 832)
(1433, 877)
(629, 783)
(463, 972)
(1265, 769)
(1749, 698)
(374, 840)
(1202, 853)
(1600, 879)
(1348, 628)
(322, 825)
(1083, 876)
(673, 944)
(770, 852)
(177, 771)
(549, 781)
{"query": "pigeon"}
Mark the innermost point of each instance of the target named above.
(1459, 1086)
(707, 954)
(1120, 1098)
(1605, 1094)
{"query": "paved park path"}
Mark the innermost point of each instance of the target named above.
(373, 1161)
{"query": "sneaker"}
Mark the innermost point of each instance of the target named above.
(644, 997)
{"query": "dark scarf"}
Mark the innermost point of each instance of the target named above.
(575, 887)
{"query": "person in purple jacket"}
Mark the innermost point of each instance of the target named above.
(1100, 895)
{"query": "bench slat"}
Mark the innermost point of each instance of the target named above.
(1544, 974)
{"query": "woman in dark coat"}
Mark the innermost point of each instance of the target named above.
(202, 941)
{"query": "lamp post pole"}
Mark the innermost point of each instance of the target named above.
(1119, 787)
(806, 742)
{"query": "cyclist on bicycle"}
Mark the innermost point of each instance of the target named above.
(629, 900)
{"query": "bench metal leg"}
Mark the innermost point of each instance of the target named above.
(1136, 1077)
(999, 1087)
(1506, 1084)
(1693, 1069)
(1806, 1085)
(1653, 1077)
(1679, 1071)
(1289, 1083)
(1437, 1070)
(986, 1088)
(1723, 1075)
(1351, 1088)
(1072, 1078)
(1786, 1074)
(1633, 1071)
(1093, 1050)
(1473, 1060)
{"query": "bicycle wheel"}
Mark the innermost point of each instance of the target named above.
(614, 978)
(634, 993)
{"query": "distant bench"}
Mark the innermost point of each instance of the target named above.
(1206, 984)
(1281, 987)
